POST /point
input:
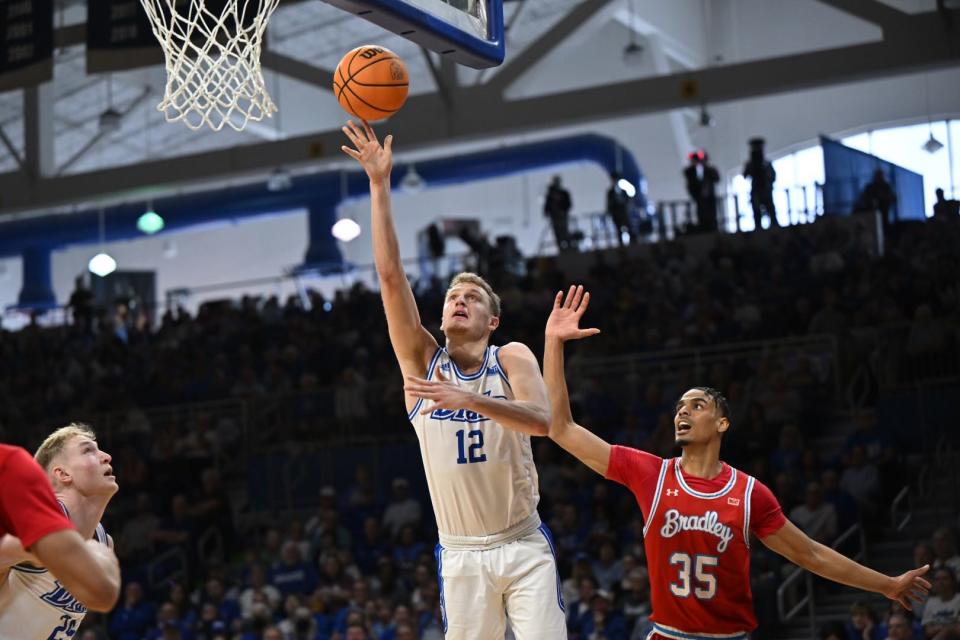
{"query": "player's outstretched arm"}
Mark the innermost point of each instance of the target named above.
(528, 412)
(412, 343)
(800, 549)
(87, 569)
(563, 325)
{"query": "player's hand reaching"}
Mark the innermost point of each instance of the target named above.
(376, 160)
(910, 586)
(443, 393)
(564, 321)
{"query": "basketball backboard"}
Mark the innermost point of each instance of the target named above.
(468, 31)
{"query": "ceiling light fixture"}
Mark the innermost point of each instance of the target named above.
(412, 182)
(633, 52)
(103, 263)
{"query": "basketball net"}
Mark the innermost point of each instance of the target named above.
(212, 50)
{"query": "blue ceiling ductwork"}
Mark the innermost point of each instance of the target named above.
(321, 194)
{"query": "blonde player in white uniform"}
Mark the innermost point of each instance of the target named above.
(474, 407)
(33, 604)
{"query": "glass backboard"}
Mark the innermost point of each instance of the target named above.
(468, 31)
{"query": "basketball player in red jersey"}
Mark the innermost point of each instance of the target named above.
(29, 511)
(698, 511)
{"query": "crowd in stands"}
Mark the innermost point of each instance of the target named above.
(354, 560)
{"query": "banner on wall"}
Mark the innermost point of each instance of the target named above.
(26, 43)
(119, 37)
(848, 171)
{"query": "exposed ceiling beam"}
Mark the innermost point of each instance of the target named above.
(542, 46)
(923, 43)
(11, 148)
(878, 13)
(296, 69)
(102, 133)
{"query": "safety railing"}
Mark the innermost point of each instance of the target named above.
(169, 566)
(788, 588)
(901, 509)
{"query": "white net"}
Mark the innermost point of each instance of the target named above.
(212, 50)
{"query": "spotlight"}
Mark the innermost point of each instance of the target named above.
(102, 265)
(345, 230)
(150, 222)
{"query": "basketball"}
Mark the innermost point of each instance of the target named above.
(371, 82)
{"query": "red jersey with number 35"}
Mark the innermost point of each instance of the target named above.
(697, 540)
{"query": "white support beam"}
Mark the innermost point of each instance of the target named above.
(38, 131)
(678, 123)
(293, 68)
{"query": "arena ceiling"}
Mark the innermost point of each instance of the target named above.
(84, 158)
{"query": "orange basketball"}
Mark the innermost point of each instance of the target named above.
(371, 82)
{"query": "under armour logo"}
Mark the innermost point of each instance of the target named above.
(673, 492)
(734, 501)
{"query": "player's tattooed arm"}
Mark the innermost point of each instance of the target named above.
(800, 549)
(563, 325)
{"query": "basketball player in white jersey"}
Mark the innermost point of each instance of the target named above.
(474, 407)
(33, 604)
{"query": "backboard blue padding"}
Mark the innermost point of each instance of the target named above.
(434, 33)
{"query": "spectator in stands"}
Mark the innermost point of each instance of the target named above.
(603, 622)
(293, 575)
(618, 208)
(81, 305)
(702, 179)
(607, 569)
(912, 618)
(762, 177)
(899, 628)
(135, 543)
(944, 209)
(861, 479)
(578, 610)
(879, 196)
(134, 617)
(862, 624)
(636, 602)
(403, 510)
(945, 549)
(941, 613)
(258, 591)
(227, 608)
(556, 207)
(843, 502)
(817, 518)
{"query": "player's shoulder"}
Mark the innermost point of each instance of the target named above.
(636, 457)
(514, 351)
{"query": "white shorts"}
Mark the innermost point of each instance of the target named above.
(479, 590)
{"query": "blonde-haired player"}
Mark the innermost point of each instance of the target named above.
(33, 603)
(474, 407)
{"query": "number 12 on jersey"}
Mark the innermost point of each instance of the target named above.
(474, 449)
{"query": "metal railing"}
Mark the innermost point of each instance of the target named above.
(902, 502)
(171, 565)
(818, 351)
(808, 601)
